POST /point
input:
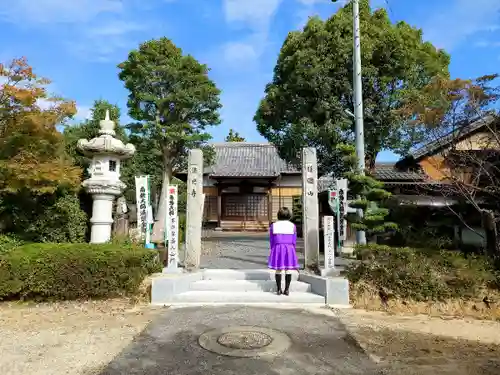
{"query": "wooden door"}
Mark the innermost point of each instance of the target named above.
(247, 207)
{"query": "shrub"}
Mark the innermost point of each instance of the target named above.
(43, 218)
(71, 271)
(62, 222)
(8, 243)
(420, 274)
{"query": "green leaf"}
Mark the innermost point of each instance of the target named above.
(305, 103)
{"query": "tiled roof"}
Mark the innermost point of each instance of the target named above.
(384, 172)
(242, 159)
(389, 172)
(459, 133)
(324, 183)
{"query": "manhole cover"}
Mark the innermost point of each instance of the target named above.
(245, 341)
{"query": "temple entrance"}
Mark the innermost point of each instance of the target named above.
(247, 212)
(242, 193)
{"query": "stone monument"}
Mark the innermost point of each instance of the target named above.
(104, 183)
(194, 209)
(310, 208)
(121, 219)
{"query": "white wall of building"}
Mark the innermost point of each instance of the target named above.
(290, 181)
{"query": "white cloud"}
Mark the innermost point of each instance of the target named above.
(84, 112)
(325, 8)
(93, 30)
(57, 11)
(452, 25)
(115, 28)
(101, 43)
(240, 53)
(487, 44)
(255, 15)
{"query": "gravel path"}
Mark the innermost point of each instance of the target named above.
(243, 251)
(116, 337)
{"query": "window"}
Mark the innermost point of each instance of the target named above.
(112, 165)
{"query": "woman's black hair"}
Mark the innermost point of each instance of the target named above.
(284, 214)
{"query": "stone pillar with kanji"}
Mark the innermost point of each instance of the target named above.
(194, 209)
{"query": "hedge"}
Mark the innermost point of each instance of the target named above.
(422, 274)
(48, 271)
(7, 243)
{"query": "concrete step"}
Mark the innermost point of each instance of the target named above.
(246, 286)
(246, 298)
(257, 274)
(245, 225)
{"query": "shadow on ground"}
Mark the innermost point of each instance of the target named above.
(321, 344)
(169, 345)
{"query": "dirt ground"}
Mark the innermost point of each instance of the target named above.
(421, 345)
(81, 338)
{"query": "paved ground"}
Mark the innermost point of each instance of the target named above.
(243, 251)
(116, 337)
(169, 345)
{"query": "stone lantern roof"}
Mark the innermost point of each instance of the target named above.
(106, 143)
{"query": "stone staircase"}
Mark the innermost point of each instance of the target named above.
(242, 226)
(245, 287)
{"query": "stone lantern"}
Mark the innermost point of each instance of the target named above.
(104, 183)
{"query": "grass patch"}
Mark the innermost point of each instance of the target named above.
(404, 279)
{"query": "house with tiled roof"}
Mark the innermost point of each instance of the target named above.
(433, 158)
(248, 182)
(246, 185)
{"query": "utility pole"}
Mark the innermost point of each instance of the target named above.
(358, 104)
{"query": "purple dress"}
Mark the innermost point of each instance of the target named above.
(283, 239)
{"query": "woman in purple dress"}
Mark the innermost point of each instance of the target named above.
(283, 257)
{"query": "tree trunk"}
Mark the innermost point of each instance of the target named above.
(161, 215)
(491, 233)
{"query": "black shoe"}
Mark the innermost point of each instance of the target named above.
(278, 283)
(288, 280)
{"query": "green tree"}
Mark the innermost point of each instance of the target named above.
(306, 102)
(370, 193)
(234, 136)
(174, 100)
(89, 129)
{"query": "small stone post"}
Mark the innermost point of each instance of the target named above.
(310, 207)
(194, 209)
(329, 241)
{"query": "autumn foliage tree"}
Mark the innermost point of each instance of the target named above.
(462, 121)
(32, 152)
(38, 180)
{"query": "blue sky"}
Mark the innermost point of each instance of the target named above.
(78, 43)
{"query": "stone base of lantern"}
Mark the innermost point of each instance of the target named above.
(102, 218)
(103, 195)
(100, 232)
